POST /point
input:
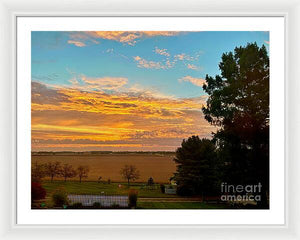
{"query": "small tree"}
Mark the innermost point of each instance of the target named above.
(82, 172)
(150, 182)
(52, 169)
(129, 172)
(99, 179)
(37, 172)
(67, 171)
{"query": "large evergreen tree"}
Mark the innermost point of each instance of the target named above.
(238, 104)
(196, 167)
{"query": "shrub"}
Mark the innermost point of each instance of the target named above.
(132, 198)
(108, 181)
(37, 191)
(150, 181)
(60, 197)
(97, 205)
(162, 188)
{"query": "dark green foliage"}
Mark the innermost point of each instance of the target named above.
(60, 197)
(162, 188)
(239, 104)
(150, 181)
(96, 205)
(132, 198)
(197, 167)
(185, 190)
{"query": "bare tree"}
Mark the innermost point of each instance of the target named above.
(52, 169)
(67, 171)
(82, 172)
(37, 172)
(99, 179)
(130, 172)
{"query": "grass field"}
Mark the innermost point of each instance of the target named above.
(75, 187)
(148, 198)
(158, 166)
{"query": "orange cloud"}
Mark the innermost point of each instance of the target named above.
(104, 83)
(126, 37)
(84, 83)
(77, 43)
(67, 117)
(196, 81)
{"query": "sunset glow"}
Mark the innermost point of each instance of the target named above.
(123, 91)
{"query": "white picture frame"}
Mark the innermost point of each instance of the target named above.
(10, 10)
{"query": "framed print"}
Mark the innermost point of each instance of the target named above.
(152, 121)
(125, 121)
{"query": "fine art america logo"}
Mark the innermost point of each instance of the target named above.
(241, 193)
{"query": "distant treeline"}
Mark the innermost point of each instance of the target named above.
(101, 152)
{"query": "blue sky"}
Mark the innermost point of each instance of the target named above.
(54, 59)
(124, 90)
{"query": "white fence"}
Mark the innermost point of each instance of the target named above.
(105, 201)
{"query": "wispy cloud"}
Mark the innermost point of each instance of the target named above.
(183, 57)
(267, 42)
(85, 83)
(169, 60)
(162, 52)
(82, 37)
(192, 66)
(46, 78)
(196, 81)
(125, 37)
(77, 43)
(143, 63)
(109, 50)
(107, 83)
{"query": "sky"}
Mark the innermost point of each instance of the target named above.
(124, 91)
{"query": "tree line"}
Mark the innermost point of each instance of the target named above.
(56, 169)
(238, 105)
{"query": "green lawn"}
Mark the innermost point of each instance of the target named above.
(75, 187)
(180, 205)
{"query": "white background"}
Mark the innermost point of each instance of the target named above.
(277, 164)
